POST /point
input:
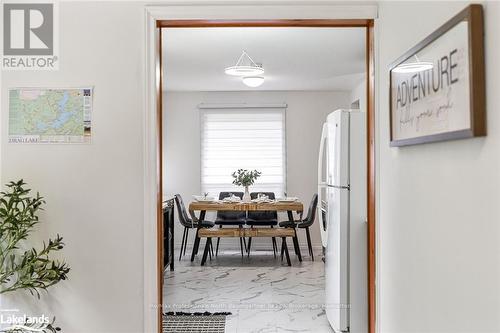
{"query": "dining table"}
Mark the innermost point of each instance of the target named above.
(290, 207)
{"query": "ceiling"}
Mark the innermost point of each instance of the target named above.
(293, 58)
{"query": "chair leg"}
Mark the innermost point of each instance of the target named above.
(211, 250)
(309, 243)
(182, 243)
(241, 246)
(249, 244)
(186, 241)
(294, 246)
(282, 249)
(217, 247)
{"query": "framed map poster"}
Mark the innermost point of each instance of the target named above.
(40, 115)
(437, 88)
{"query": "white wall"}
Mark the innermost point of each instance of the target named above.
(439, 217)
(94, 192)
(438, 226)
(305, 116)
(359, 93)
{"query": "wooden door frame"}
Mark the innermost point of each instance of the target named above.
(370, 117)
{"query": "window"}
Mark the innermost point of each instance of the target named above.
(243, 138)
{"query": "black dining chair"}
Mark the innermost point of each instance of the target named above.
(188, 223)
(232, 218)
(262, 218)
(305, 223)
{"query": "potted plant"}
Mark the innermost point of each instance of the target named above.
(21, 267)
(246, 178)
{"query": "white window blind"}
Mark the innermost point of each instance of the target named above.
(243, 138)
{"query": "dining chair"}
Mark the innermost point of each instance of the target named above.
(262, 218)
(232, 218)
(188, 223)
(305, 223)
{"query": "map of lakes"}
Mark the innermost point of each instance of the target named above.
(50, 115)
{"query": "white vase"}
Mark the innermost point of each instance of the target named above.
(246, 196)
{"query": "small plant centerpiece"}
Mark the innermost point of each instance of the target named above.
(23, 267)
(246, 178)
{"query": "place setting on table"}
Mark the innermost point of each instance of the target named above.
(261, 201)
(261, 198)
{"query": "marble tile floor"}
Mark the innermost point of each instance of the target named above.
(262, 293)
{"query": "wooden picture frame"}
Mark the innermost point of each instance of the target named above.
(437, 88)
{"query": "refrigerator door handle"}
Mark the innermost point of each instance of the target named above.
(324, 134)
(322, 183)
(347, 187)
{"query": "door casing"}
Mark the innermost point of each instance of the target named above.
(153, 141)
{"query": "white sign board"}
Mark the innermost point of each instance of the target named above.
(430, 92)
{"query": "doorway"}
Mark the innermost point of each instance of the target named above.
(368, 26)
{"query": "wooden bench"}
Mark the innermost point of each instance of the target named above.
(246, 232)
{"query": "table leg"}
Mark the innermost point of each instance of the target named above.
(201, 219)
(241, 243)
(195, 245)
(218, 241)
(205, 252)
(287, 255)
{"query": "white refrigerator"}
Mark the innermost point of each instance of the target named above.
(342, 214)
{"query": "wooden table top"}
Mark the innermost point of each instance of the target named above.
(246, 206)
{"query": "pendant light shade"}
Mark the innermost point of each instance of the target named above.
(253, 81)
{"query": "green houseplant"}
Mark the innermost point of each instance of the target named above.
(23, 267)
(246, 178)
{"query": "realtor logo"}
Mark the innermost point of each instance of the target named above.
(29, 36)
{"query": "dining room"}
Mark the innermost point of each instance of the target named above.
(240, 168)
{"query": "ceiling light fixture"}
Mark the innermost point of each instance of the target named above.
(412, 67)
(245, 66)
(253, 81)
